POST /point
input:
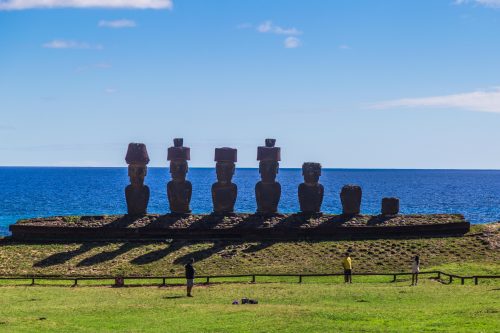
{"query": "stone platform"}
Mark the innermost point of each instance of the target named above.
(237, 227)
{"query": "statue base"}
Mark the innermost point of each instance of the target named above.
(237, 227)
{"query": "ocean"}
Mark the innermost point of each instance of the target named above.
(46, 191)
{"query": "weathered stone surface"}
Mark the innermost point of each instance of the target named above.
(268, 190)
(311, 191)
(137, 194)
(239, 226)
(224, 192)
(350, 196)
(390, 206)
(179, 190)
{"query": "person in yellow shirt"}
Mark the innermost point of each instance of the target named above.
(347, 264)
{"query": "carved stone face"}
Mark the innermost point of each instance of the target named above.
(268, 171)
(225, 171)
(137, 173)
(178, 170)
(311, 174)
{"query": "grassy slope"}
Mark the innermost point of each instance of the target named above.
(476, 253)
(309, 307)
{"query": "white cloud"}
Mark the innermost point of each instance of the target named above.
(486, 3)
(244, 26)
(344, 47)
(70, 44)
(481, 100)
(117, 24)
(110, 90)
(292, 42)
(269, 27)
(101, 65)
(135, 4)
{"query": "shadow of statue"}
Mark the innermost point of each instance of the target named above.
(62, 257)
(108, 255)
(156, 255)
(205, 253)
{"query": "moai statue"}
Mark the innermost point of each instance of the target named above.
(311, 191)
(179, 189)
(350, 196)
(268, 190)
(224, 192)
(137, 194)
(390, 206)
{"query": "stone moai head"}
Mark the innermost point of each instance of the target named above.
(390, 206)
(225, 158)
(350, 196)
(269, 157)
(178, 155)
(137, 158)
(311, 172)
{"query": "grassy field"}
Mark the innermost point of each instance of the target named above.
(314, 306)
(475, 253)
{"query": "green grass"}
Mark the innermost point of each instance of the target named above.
(468, 255)
(283, 307)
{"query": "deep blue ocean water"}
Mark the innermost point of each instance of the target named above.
(33, 192)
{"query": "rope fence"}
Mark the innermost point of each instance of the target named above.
(439, 275)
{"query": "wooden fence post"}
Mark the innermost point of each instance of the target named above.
(253, 278)
(300, 278)
(164, 282)
(75, 283)
(208, 280)
(32, 281)
(462, 281)
(394, 279)
(476, 280)
(451, 279)
(439, 275)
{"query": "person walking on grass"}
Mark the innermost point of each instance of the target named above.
(415, 269)
(347, 264)
(189, 276)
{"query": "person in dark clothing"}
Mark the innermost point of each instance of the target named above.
(189, 276)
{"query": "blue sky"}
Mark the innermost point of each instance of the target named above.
(350, 84)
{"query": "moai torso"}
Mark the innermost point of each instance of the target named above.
(137, 199)
(179, 196)
(224, 197)
(268, 197)
(311, 191)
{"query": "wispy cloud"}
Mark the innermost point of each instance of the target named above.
(292, 42)
(244, 26)
(481, 100)
(344, 47)
(110, 91)
(485, 3)
(101, 65)
(269, 27)
(134, 4)
(70, 44)
(117, 24)
(6, 128)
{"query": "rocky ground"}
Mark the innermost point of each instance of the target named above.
(250, 221)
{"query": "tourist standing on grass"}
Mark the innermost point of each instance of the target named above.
(347, 264)
(189, 276)
(415, 269)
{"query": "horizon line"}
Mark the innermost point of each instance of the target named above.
(254, 168)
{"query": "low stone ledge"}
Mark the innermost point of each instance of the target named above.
(237, 226)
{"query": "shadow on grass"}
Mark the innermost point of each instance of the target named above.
(107, 255)
(157, 254)
(62, 257)
(205, 253)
